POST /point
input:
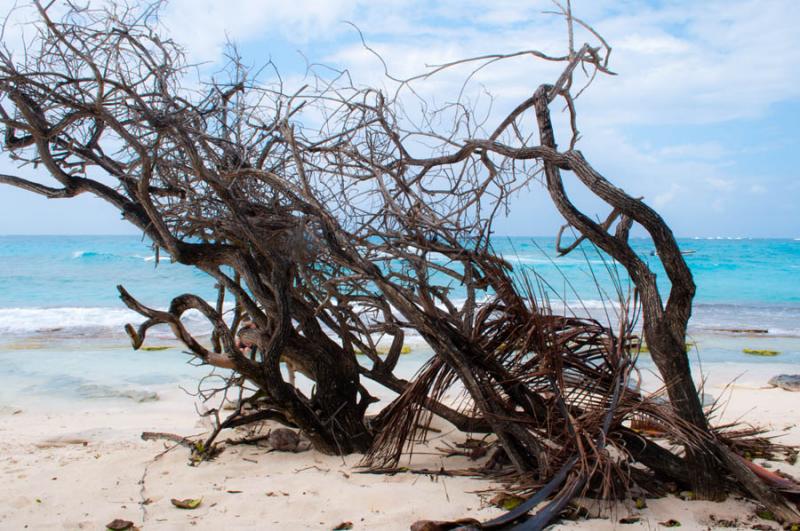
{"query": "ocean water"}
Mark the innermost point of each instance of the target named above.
(69, 283)
(61, 321)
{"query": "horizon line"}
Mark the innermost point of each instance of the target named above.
(680, 237)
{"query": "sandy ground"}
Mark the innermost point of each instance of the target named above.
(82, 468)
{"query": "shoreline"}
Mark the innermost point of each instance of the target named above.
(92, 446)
(69, 410)
(64, 369)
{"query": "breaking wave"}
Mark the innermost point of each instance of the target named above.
(78, 321)
(97, 255)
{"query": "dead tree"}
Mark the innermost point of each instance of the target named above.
(218, 178)
(335, 239)
(102, 96)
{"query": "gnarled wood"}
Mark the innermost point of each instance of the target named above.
(337, 242)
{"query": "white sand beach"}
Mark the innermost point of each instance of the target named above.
(82, 464)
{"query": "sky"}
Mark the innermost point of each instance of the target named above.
(701, 119)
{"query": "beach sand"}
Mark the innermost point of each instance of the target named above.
(81, 464)
(83, 469)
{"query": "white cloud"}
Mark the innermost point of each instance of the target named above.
(203, 26)
(719, 183)
(702, 150)
(656, 45)
(664, 198)
(679, 63)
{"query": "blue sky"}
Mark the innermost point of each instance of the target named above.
(702, 119)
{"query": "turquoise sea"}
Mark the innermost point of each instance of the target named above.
(68, 282)
(61, 322)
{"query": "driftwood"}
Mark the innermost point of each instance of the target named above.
(163, 436)
(331, 244)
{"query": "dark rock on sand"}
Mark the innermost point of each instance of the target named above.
(286, 440)
(789, 382)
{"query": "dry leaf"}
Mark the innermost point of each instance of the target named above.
(118, 524)
(188, 503)
(506, 501)
(431, 525)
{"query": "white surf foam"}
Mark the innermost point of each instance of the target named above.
(78, 320)
(103, 255)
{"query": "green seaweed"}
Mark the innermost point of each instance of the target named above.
(506, 501)
(512, 502)
(383, 351)
(757, 352)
